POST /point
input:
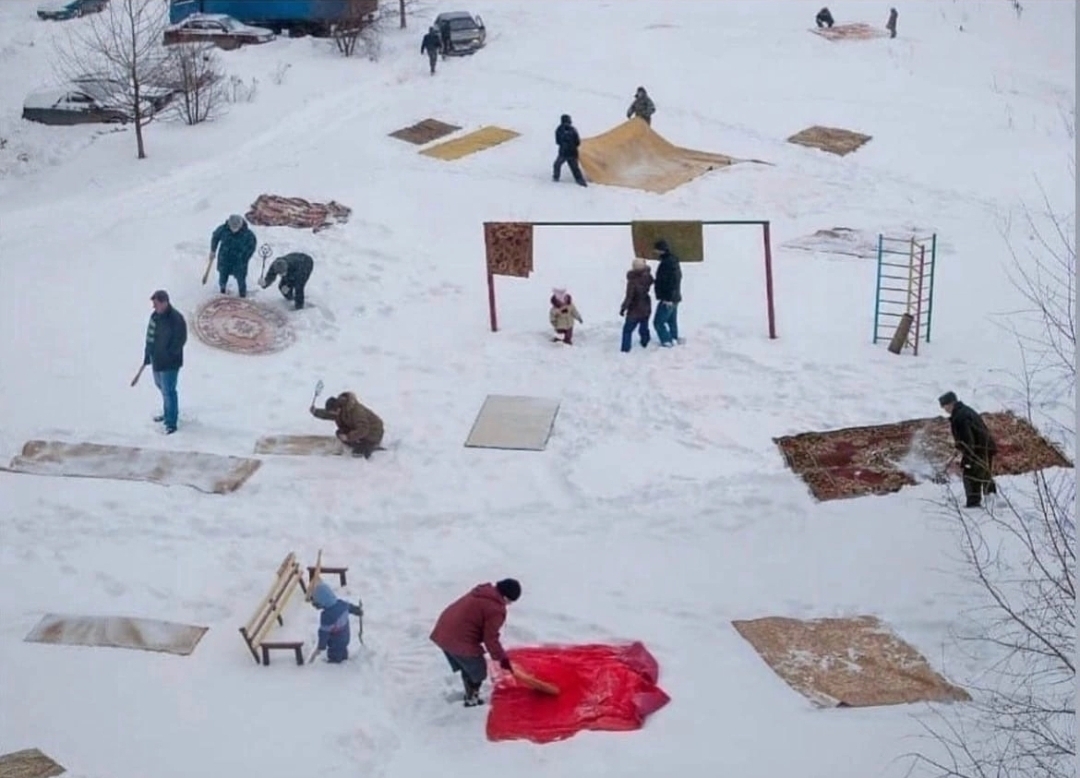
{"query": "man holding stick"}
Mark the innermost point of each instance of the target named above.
(166, 334)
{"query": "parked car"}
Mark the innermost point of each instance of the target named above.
(106, 91)
(70, 106)
(466, 32)
(223, 31)
(59, 10)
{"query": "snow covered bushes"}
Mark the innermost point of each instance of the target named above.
(195, 71)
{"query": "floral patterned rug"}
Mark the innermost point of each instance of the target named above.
(881, 459)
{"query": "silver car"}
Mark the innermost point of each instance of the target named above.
(461, 32)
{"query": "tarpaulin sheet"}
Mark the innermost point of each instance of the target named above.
(601, 687)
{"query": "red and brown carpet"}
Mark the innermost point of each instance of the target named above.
(244, 327)
(276, 211)
(859, 461)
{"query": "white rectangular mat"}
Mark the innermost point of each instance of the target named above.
(117, 632)
(518, 423)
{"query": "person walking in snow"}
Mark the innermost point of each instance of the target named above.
(431, 45)
(295, 270)
(166, 334)
(643, 106)
(891, 24)
(824, 18)
(562, 315)
(568, 141)
(976, 446)
(668, 291)
(334, 634)
(636, 304)
(469, 625)
(234, 244)
(357, 425)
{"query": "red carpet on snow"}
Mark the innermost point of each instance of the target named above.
(608, 688)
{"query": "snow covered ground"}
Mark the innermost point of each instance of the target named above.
(661, 509)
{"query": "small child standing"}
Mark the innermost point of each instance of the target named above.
(562, 316)
(334, 623)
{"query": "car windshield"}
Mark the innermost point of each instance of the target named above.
(230, 25)
(462, 24)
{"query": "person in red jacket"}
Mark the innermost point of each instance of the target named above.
(469, 625)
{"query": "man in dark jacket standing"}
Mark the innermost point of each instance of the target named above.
(430, 45)
(568, 141)
(234, 243)
(166, 334)
(468, 626)
(668, 291)
(295, 270)
(976, 446)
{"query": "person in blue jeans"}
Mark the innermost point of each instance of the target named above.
(636, 304)
(166, 334)
(668, 291)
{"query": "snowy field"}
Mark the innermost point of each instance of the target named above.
(661, 509)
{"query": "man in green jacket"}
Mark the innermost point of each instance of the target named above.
(234, 243)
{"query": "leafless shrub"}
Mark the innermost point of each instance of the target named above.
(196, 72)
(277, 77)
(121, 49)
(1021, 554)
(240, 91)
(356, 16)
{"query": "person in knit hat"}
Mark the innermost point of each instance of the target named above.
(334, 622)
(234, 244)
(471, 624)
(636, 304)
(976, 447)
(562, 316)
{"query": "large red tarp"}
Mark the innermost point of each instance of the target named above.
(601, 687)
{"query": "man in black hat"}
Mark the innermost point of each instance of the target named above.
(668, 291)
(976, 446)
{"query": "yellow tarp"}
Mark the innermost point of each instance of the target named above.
(484, 138)
(634, 156)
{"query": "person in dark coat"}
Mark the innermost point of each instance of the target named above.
(444, 34)
(824, 18)
(636, 304)
(668, 292)
(643, 106)
(358, 427)
(166, 334)
(568, 141)
(891, 24)
(431, 45)
(334, 634)
(295, 270)
(469, 625)
(977, 448)
(234, 243)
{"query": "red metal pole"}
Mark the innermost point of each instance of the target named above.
(768, 280)
(918, 301)
(491, 302)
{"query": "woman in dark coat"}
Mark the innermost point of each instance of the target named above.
(637, 304)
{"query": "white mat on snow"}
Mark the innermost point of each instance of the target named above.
(517, 423)
(117, 632)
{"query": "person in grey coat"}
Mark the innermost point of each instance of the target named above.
(642, 107)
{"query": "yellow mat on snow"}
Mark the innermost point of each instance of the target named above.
(484, 138)
(634, 156)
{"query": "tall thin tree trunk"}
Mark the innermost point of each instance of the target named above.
(401, 12)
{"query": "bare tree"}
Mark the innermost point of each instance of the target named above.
(356, 16)
(121, 50)
(195, 72)
(1021, 555)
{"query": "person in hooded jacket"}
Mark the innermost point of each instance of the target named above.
(636, 304)
(358, 427)
(976, 446)
(824, 18)
(431, 45)
(562, 315)
(334, 633)
(668, 292)
(642, 107)
(234, 243)
(568, 141)
(295, 270)
(469, 625)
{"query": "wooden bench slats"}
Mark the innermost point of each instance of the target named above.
(270, 609)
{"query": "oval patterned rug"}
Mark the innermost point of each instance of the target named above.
(239, 325)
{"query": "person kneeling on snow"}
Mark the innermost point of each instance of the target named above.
(334, 623)
(357, 425)
(295, 270)
(470, 624)
(824, 18)
(562, 315)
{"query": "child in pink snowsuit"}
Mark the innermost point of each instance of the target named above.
(562, 316)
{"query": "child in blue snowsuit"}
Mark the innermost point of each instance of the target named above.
(334, 622)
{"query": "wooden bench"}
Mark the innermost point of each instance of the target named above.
(314, 571)
(286, 580)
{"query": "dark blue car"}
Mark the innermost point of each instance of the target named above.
(59, 10)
